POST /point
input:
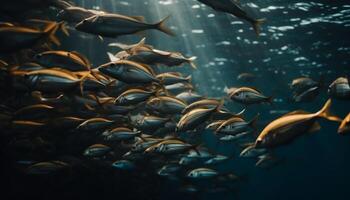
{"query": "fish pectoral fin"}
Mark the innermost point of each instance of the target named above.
(315, 127)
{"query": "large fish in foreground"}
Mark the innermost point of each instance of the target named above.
(288, 127)
(114, 25)
(232, 7)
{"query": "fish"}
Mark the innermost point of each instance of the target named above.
(15, 38)
(49, 167)
(171, 146)
(308, 95)
(236, 125)
(151, 123)
(230, 138)
(129, 72)
(200, 104)
(97, 150)
(134, 96)
(232, 7)
(169, 78)
(95, 124)
(189, 97)
(120, 133)
(123, 165)
(196, 117)
(202, 173)
(302, 84)
(143, 145)
(216, 160)
(53, 80)
(344, 127)
(114, 25)
(75, 14)
(36, 111)
(72, 61)
(147, 54)
(292, 125)
(246, 77)
(166, 105)
(178, 88)
(252, 152)
(169, 169)
(340, 88)
(248, 96)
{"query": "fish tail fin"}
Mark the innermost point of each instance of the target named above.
(325, 112)
(256, 25)
(162, 27)
(190, 61)
(189, 78)
(50, 31)
(81, 82)
(63, 28)
(270, 100)
(220, 105)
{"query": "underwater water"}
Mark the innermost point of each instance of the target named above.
(309, 38)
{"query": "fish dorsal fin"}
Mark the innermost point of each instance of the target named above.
(138, 18)
(112, 57)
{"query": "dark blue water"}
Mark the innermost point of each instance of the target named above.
(309, 38)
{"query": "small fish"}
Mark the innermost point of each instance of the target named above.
(204, 103)
(170, 78)
(143, 53)
(166, 105)
(74, 14)
(340, 88)
(178, 88)
(72, 61)
(217, 159)
(236, 125)
(133, 96)
(171, 146)
(189, 97)
(302, 84)
(202, 173)
(232, 7)
(95, 124)
(114, 25)
(169, 169)
(230, 138)
(143, 145)
(196, 117)
(97, 150)
(292, 125)
(124, 165)
(344, 127)
(120, 133)
(308, 95)
(249, 96)
(43, 168)
(14, 38)
(151, 123)
(246, 77)
(252, 152)
(51, 80)
(129, 72)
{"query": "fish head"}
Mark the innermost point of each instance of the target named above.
(193, 174)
